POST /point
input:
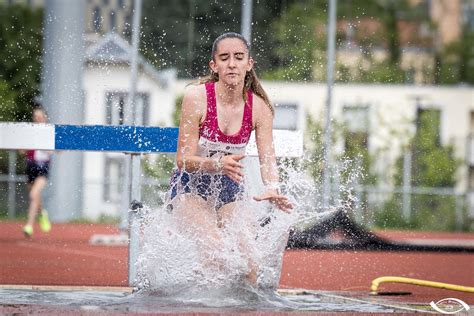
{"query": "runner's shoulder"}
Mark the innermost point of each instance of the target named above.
(195, 90)
(195, 96)
(260, 107)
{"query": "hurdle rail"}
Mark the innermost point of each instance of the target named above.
(130, 140)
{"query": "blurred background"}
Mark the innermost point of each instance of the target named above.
(403, 99)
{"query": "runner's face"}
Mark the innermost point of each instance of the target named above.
(39, 116)
(231, 61)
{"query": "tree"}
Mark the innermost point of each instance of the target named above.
(354, 162)
(433, 166)
(161, 166)
(7, 101)
(20, 64)
(300, 41)
(388, 13)
(180, 33)
(20, 60)
(456, 63)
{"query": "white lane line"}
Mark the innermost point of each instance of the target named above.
(379, 303)
(440, 242)
(358, 300)
(67, 288)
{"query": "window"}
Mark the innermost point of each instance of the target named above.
(356, 124)
(472, 123)
(410, 75)
(356, 118)
(141, 109)
(97, 20)
(113, 178)
(286, 117)
(470, 151)
(469, 16)
(115, 105)
(127, 27)
(470, 183)
(428, 120)
(113, 20)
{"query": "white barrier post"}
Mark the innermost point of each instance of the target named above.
(11, 184)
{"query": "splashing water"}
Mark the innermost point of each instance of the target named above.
(186, 259)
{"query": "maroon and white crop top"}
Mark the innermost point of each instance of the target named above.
(212, 140)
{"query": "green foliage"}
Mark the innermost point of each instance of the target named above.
(161, 166)
(20, 60)
(434, 213)
(301, 41)
(357, 151)
(433, 166)
(314, 143)
(298, 41)
(7, 102)
(391, 215)
(382, 72)
(376, 72)
(456, 63)
(289, 39)
(387, 12)
(103, 219)
(356, 154)
(180, 33)
(19, 164)
(177, 110)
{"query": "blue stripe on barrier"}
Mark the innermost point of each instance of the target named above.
(116, 138)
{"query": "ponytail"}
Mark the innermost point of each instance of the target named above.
(253, 83)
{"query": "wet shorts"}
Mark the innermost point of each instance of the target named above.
(35, 170)
(206, 186)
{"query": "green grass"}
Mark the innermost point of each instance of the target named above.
(103, 219)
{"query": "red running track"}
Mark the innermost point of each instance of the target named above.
(64, 257)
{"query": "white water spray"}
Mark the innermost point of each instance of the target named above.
(181, 261)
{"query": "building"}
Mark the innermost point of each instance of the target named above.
(420, 39)
(384, 118)
(106, 82)
(29, 3)
(387, 114)
(101, 16)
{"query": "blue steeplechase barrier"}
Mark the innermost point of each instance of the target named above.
(131, 140)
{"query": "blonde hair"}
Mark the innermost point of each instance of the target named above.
(251, 81)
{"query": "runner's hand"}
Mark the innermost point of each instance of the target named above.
(232, 168)
(276, 199)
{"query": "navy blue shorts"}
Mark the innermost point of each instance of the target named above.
(206, 185)
(35, 170)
